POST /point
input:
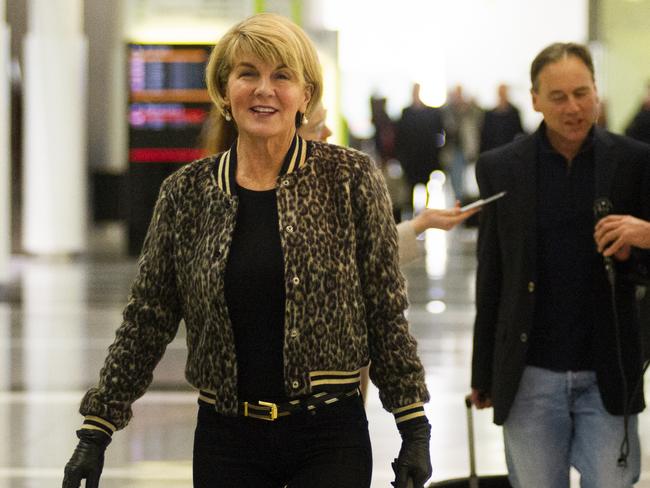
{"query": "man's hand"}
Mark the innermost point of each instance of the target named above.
(480, 399)
(615, 234)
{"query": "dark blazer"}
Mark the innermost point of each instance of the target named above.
(500, 127)
(418, 141)
(506, 275)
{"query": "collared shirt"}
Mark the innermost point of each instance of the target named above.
(566, 258)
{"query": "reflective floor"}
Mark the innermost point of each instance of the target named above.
(58, 317)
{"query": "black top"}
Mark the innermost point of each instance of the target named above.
(639, 128)
(566, 259)
(418, 140)
(500, 127)
(255, 296)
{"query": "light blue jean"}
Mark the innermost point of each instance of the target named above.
(557, 421)
(457, 173)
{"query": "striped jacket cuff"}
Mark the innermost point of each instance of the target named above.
(97, 423)
(408, 412)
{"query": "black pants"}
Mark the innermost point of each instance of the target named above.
(324, 449)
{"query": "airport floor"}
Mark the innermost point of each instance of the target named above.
(58, 317)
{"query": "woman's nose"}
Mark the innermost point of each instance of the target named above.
(263, 87)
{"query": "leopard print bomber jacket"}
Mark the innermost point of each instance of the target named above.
(345, 294)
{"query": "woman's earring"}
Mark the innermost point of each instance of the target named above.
(226, 114)
(304, 120)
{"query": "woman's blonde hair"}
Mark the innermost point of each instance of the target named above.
(271, 38)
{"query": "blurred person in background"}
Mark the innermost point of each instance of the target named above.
(639, 127)
(603, 114)
(461, 118)
(280, 255)
(418, 140)
(501, 124)
(384, 139)
(385, 129)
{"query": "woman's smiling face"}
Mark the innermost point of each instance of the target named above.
(264, 98)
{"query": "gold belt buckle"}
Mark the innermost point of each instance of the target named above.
(270, 416)
(273, 410)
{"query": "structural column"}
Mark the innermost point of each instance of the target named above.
(55, 170)
(5, 155)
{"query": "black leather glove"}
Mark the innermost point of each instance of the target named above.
(413, 462)
(87, 460)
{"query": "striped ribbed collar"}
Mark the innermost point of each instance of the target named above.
(227, 163)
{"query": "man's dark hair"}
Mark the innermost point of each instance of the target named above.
(555, 52)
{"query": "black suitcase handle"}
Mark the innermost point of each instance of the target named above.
(473, 478)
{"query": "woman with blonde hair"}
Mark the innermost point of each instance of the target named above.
(281, 257)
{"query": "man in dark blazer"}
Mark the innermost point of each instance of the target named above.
(560, 365)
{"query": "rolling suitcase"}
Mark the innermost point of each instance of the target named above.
(473, 481)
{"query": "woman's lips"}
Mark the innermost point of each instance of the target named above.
(263, 110)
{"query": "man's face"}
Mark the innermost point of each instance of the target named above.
(567, 98)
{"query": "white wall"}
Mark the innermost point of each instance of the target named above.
(107, 108)
(5, 156)
(54, 129)
(386, 45)
(625, 26)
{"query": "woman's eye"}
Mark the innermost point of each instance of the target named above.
(283, 76)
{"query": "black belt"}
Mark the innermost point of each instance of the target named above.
(272, 411)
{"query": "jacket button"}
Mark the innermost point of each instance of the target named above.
(295, 385)
(523, 337)
(296, 280)
(294, 333)
(286, 182)
(289, 228)
(531, 286)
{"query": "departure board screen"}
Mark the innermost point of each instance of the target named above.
(168, 106)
